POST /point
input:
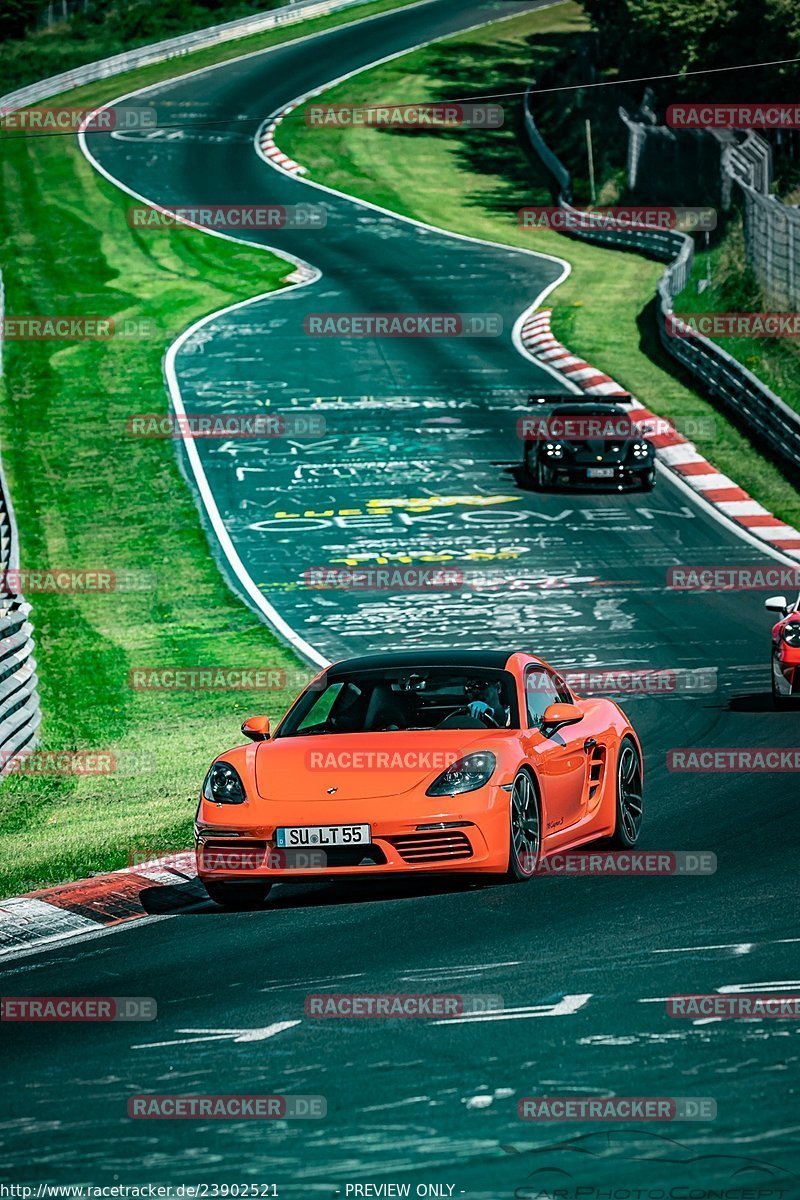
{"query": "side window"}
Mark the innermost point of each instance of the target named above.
(541, 689)
(320, 709)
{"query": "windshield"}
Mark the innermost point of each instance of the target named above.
(425, 698)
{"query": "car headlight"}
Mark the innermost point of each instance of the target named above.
(466, 775)
(641, 449)
(554, 450)
(791, 633)
(223, 785)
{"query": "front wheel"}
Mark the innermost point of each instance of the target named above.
(239, 895)
(629, 799)
(779, 699)
(648, 480)
(525, 831)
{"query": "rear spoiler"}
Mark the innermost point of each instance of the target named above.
(542, 398)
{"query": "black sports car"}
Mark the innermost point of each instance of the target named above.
(573, 440)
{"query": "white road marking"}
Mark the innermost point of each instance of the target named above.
(737, 947)
(220, 1035)
(565, 1007)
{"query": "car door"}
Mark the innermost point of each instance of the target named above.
(559, 759)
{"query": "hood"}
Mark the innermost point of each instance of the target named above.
(361, 765)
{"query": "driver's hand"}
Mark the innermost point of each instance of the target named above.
(477, 708)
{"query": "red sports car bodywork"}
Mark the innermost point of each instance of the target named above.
(785, 651)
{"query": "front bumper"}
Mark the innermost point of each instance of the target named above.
(571, 474)
(471, 837)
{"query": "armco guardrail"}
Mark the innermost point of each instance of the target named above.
(172, 48)
(19, 702)
(768, 419)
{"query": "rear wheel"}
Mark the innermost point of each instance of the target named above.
(238, 895)
(525, 832)
(629, 795)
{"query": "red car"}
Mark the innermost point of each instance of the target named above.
(785, 651)
(418, 762)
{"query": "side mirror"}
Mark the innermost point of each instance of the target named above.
(776, 604)
(257, 729)
(556, 715)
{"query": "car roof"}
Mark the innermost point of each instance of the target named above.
(397, 660)
(601, 407)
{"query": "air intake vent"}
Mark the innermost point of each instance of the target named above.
(434, 846)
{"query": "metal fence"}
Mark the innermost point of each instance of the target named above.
(19, 701)
(172, 48)
(771, 228)
(766, 417)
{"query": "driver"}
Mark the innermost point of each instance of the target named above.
(487, 698)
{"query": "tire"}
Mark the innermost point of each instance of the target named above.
(629, 798)
(538, 474)
(779, 701)
(239, 896)
(525, 831)
(648, 479)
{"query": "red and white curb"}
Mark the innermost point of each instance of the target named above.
(673, 450)
(155, 888)
(266, 141)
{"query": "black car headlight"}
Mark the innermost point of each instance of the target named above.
(554, 450)
(791, 633)
(641, 449)
(466, 775)
(223, 785)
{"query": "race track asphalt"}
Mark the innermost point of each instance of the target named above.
(420, 459)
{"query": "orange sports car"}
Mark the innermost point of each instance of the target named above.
(417, 762)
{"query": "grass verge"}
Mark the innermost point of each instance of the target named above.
(475, 181)
(88, 495)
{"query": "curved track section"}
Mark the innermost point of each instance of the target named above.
(418, 465)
